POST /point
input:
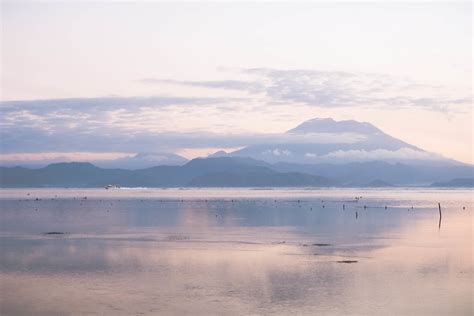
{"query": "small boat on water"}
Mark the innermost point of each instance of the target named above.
(111, 186)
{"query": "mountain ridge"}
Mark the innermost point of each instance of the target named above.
(370, 158)
(233, 171)
(200, 172)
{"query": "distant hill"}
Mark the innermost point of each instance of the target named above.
(222, 172)
(73, 174)
(378, 184)
(372, 184)
(143, 160)
(137, 161)
(394, 173)
(238, 171)
(456, 183)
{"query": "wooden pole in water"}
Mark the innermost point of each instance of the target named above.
(439, 208)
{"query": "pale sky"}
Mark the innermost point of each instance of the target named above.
(231, 68)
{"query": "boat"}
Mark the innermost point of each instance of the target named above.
(111, 186)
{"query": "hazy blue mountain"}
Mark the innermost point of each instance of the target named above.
(317, 152)
(138, 161)
(328, 141)
(328, 125)
(236, 171)
(220, 153)
(143, 160)
(378, 184)
(225, 171)
(182, 175)
(393, 173)
(73, 174)
(456, 183)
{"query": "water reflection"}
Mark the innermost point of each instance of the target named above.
(129, 255)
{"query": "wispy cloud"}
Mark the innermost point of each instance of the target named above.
(378, 154)
(125, 124)
(250, 86)
(137, 124)
(104, 103)
(85, 138)
(335, 89)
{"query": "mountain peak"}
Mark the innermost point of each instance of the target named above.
(326, 140)
(220, 153)
(328, 125)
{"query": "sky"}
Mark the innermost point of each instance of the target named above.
(103, 80)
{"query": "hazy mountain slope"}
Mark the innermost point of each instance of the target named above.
(74, 174)
(234, 171)
(225, 171)
(143, 160)
(329, 141)
(181, 176)
(456, 183)
(394, 173)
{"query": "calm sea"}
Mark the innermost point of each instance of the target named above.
(236, 251)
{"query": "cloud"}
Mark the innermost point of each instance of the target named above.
(337, 89)
(104, 103)
(59, 157)
(128, 125)
(277, 152)
(345, 89)
(23, 139)
(251, 86)
(378, 154)
(27, 122)
(150, 123)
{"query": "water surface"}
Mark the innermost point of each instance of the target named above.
(236, 251)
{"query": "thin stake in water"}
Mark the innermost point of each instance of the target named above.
(439, 208)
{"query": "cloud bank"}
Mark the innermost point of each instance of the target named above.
(140, 123)
(378, 154)
(334, 89)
